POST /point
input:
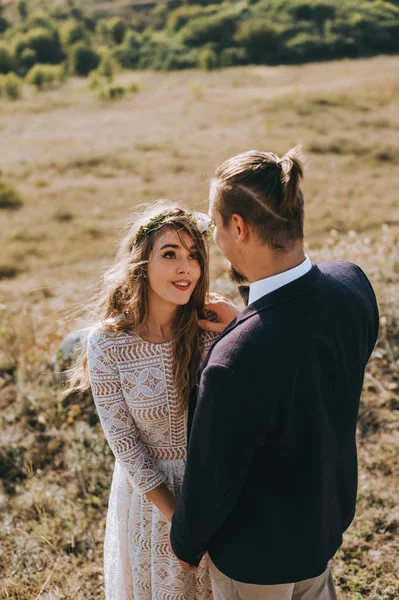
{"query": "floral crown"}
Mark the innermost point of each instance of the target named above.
(202, 222)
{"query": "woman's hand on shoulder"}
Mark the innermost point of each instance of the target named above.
(225, 311)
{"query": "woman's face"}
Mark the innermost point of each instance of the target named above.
(174, 269)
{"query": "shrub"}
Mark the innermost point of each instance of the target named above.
(113, 92)
(261, 40)
(218, 29)
(6, 59)
(27, 59)
(108, 66)
(95, 81)
(154, 51)
(231, 57)
(45, 76)
(8, 271)
(127, 54)
(316, 11)
(162, 53)
(45, 43)
(102, 30)
(208, 60)
(40, 19)
(178, 58)
(73, 31)
(182, 15)
(117, 28)
(158, 15)
(12, 86)
(4, 24)
(204, 3)
(133, 87)
(83, 59)
(374, 32)
(305, 46)
(9, 197)
(23, 9)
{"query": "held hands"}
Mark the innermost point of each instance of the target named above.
(225, 310)
(185, 566)
(169, 504)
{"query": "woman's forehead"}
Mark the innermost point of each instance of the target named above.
(175, 238)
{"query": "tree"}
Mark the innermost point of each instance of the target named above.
(117, 28)
(217, 29)
(317, 11)
(128, 53)
(4, 24)
(23, 9)
(83, 59)
(182, 15)
(102, 30)
(261, 41)
(40, 19)
(45, 43)
(72, 31)
(6, 59)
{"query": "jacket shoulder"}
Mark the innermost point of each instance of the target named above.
(342, 270)
(347, 275)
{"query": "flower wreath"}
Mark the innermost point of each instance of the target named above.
(202, 222)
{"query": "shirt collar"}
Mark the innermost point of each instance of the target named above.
(260, 288)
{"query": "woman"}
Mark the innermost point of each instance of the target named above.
(141, 363)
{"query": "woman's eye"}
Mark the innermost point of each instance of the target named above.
(194, 256)
(169, 255)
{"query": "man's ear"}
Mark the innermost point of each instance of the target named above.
(240, 228)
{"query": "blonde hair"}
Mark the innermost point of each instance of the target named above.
(125, 293)
(265, 190)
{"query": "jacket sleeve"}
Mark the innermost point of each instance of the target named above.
(227, 429)
(116, 420)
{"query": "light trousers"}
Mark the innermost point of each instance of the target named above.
(317, 588)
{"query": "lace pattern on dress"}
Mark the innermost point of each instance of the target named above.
(135, 397)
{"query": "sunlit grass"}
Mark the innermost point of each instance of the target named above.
(81, 165)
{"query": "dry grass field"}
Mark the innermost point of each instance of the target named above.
(81, 165)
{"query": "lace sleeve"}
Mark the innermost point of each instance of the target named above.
(209, 338)
(116, 420)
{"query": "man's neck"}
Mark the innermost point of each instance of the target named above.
(273, 263)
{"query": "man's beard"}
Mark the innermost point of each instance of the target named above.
(236, 277)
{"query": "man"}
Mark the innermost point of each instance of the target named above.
(271, 476)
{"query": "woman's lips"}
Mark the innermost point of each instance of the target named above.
(183, 286)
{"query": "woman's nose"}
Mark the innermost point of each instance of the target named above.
(183, 267)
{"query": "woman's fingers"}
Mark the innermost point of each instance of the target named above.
(225, 310)
(212, 326)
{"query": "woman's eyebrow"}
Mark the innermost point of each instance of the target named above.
(175, 247)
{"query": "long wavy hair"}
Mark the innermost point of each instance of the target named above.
(123, 302)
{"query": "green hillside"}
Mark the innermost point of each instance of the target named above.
(175, 34)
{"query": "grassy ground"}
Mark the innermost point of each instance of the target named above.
(81, 164)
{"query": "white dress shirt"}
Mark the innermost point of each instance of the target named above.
(260, 288)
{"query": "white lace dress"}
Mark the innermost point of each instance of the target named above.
(132, 385)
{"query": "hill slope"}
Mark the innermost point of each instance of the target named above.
(179, 35)
(81, 164)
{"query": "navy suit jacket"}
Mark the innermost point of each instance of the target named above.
(271, 475)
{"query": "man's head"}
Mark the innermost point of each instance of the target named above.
(257, 205)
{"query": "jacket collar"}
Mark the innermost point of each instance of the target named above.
(298, 287)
